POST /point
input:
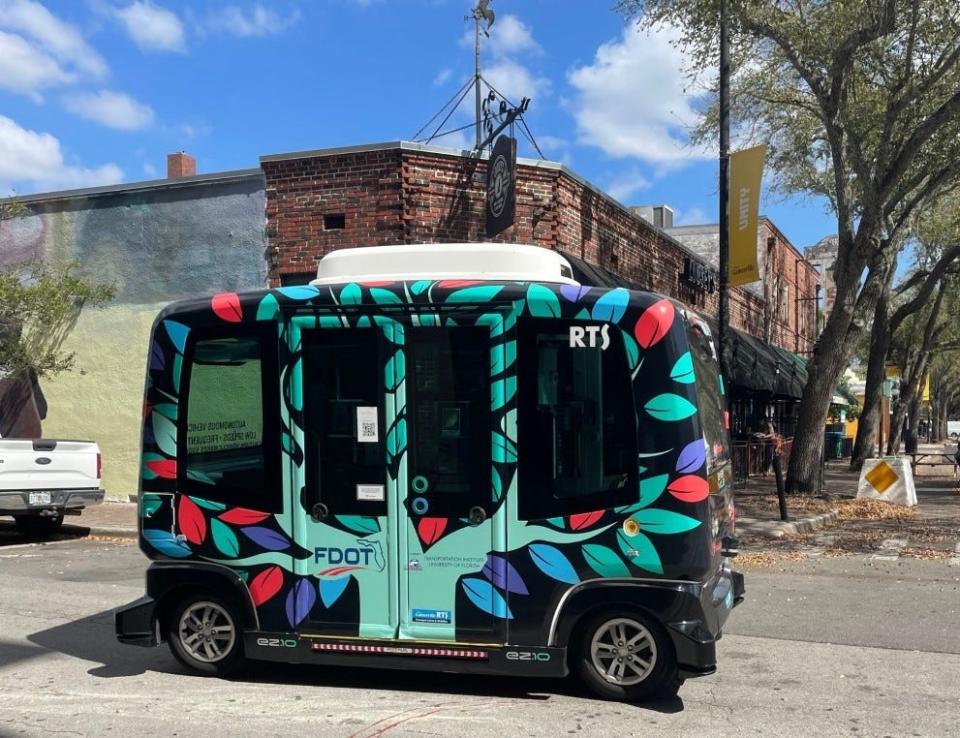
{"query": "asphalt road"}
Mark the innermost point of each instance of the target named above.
(843, 646)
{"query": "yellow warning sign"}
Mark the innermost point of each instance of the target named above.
(882, 477)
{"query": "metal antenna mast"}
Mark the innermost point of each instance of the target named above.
(480, 13)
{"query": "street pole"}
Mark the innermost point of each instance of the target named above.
(723, 318)
(476, 76)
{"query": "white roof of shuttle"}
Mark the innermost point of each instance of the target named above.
(505, 262)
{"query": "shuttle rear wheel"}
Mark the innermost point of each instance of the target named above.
(204, 634)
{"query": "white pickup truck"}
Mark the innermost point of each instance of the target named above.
(43, 479)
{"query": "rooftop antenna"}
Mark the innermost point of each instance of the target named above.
(482, 12)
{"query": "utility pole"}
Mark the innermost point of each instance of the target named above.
(476, 74)
(723, 319)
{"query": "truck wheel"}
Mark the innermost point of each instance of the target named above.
(38, 526)
(625, 656)
(204, 634)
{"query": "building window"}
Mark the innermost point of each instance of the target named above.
(334, 222)
(297, 278)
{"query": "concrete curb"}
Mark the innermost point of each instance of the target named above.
(747, 527)
(101, 530)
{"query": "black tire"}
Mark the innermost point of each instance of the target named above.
(228, 655)
(660, 679)
(38, 526)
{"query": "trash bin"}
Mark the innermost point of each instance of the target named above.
(833, 445)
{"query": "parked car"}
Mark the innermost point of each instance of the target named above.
(42, 479)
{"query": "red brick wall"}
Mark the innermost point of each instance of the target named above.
(792, 313)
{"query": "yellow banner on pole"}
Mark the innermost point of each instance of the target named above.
(746, 173)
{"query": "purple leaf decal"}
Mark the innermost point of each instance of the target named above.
(573, 292)
(300, 600)
(266, 538)
(692, 457)
(157, 360)
(501, 572)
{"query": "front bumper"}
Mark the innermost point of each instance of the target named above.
(135, 624)
(61, 500)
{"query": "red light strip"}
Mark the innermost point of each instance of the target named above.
(399, 650)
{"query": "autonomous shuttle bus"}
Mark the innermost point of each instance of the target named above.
(448, 457)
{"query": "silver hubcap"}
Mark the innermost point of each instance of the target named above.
(206, 632)
(623, 652)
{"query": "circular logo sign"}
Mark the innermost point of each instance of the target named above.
(498, 188)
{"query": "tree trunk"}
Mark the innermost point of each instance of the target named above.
(869, 422)
(911, 436)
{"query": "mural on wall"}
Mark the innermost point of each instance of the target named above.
(153, 246)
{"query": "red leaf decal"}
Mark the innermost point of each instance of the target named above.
(227, 307)
(147, 407)
(654, 323)
(430, 529)
(455, 284)
(191, 521)
(164, 468)
(243, 516)
(689, 488)
(265, 585)
(382, 283)
(584, 520)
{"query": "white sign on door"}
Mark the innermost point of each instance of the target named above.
(367, 430)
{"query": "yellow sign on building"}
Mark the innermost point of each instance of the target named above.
(746, 173)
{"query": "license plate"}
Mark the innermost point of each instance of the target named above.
(39, 498)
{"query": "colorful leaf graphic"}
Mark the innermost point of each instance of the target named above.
(482, 594)
(149, 504)
(573, 292)
(243, 516)
(646, 557)
(497, 486)
(692, 457)
(224, 539)
(542, 302)
(585, 520)
(331, 589)
(553, 563)
(177, 371)
(556, 522)
(454, 284)
(157, 359)
(654, 323)
(163, 468)
(165, 543)
(689, 488)
(682, 371)
(611, 306)
(664, 522)
(178, 333)
(670, 407)
(351, 294)
(167, 410)
(384, 297)
(418, 288)
(359, 523)
(395, 370)
(190, 520)
(266, 538)
(430, 529)
(265, 585)
(269, 308)
(482, 293)
(298, 292)
(502, 391)
(397, 438)
(633, 351)
(300, 600)
(226, 306)
(606, 562)
(504, 451)
(164, 433)
(501, 572)
(650, 490)
(502, 357)
(208, 504)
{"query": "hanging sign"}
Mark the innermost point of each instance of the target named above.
(746, 173)
(501, 185)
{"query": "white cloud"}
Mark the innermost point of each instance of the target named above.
(693, 216)
(625, 185)
(632, 100)
(510, 35)
(36, 159)
(259, 22)
(150, 170)
(113, 109)
(442, 76)
(57, 37)
(152, 27)
(509, 39)
(513, 80)
(25, 69)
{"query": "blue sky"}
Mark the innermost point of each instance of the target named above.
(99, 91)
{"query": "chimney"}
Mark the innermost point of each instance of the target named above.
(663, 216)
(180, 164)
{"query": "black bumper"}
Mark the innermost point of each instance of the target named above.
(135, 624)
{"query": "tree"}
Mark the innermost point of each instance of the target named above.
(859, 101)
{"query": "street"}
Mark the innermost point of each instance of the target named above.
(825, 646)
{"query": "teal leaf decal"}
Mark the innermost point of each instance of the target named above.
(330, 321)
(149, 504)
(208, 505)
(650, 490)
(633, 351)
(482, 594)
(669, 406)
(482, 293)
(395, 370)
(296, 292)
(224, 539)
(682, 371)
(384, 297)
(167, 410)
(165, 433)
(331, 589)
(504, 452)
(584, 314)
(177, 371)
(199, 476)
(177, 332)
(606, 562)
(502, 357)
(502, 391)
(350, 295)
(418, 288)
(611, 306)
(553, 563)
(397, 438)
(665, 522)
(497, 486)
(557, 523)
(359, 523)
(286, 441)
(542, 302)
(164, 542)
(640, 551)
(364, 322)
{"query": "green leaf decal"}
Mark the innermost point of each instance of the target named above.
(504, 451)
(149, 504)
(502, 391)
(177, 371)
(224, 538)
(296, 388)
(633, 351)
(350, 295)
(604, 561)
(502, 357)
(650, 491)
(665, 522)
(397, 438)
(645, 553)
(167, 410)
(669, 407)
(208, 505)
(418, 288)
(557, 522)
(384, 297)
(165, 433)
(497, 486)
(584, 314)
(682, 371)
(268, 309)
(359, 523)
(542, 302)
(330, 321)
(395, 370)
(481, 293)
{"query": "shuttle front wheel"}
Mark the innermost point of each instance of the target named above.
(625, 656)
(203, 634)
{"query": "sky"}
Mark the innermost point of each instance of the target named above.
(97, 92)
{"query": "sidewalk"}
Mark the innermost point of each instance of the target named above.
(111, 519)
